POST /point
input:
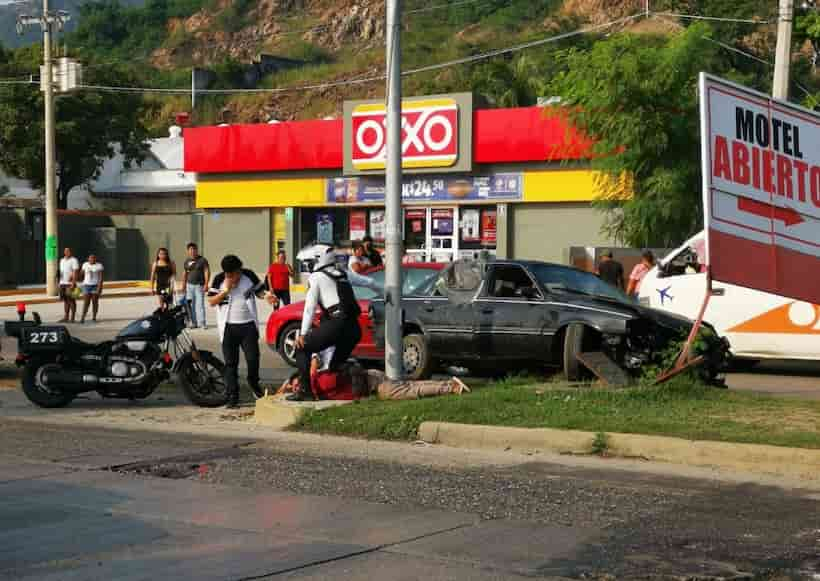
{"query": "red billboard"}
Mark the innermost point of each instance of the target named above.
(761, 169)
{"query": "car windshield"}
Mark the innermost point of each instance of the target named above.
(558, 279)
(412, 278)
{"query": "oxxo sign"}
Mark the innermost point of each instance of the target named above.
(436, 134)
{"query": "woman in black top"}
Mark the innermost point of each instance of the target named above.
(163, 272)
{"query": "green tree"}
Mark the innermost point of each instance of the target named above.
(637, 97)
(91, 127)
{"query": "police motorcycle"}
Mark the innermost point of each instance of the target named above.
(58, 367)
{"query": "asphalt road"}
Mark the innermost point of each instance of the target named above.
(78, 502)
(787, 378)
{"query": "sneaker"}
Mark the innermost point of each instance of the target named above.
(258, 392)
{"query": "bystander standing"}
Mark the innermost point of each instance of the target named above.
(646, 264)
(92, 287)
(195, 280)
(279, 275)
(611, 271)
(69, 275)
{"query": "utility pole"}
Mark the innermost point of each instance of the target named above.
(394, 350)
(782, 60)
(46, 21)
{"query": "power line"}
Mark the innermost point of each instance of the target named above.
(736, 50)
(446, 5)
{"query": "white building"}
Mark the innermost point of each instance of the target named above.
(158, 184)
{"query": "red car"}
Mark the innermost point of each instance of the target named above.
(283, 325)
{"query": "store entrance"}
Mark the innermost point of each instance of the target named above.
(430, 234)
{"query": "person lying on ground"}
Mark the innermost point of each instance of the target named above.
(354, 382)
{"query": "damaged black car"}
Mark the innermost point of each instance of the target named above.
(506, 315)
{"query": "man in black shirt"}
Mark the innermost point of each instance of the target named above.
(194, 284)
(611, 271)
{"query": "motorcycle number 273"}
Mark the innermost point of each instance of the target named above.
(44, 337)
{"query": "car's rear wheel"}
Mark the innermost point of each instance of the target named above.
(575, 340)
(286, 345)
(417, 359)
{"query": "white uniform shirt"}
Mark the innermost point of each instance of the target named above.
(322, 291)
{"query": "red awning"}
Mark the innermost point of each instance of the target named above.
(528, 134)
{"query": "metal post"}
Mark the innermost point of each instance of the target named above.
(782, 60)
(392, 288)
(51, 191)
(193, 89)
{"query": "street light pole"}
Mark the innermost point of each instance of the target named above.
(46, 21)
(393, 356)
(51, 190)
(782, 60)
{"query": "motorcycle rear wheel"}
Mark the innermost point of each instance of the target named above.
(39, 394)
(203, 381)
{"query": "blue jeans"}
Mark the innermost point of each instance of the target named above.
(196, 297)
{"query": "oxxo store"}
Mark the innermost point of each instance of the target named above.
(512, 182)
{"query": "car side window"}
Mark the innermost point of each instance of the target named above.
(459, 282)
(510, 282)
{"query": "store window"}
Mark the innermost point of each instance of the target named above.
(477, 231)
(415, 229)
(324, 226)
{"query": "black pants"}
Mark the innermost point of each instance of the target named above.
(245, 336)
(283, 296)
(344, 334)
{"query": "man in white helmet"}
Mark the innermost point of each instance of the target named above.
(331, 289)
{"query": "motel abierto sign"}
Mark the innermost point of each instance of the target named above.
(436, 135)
(761, 174)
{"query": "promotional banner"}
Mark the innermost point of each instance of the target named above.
(470, 224)
(377, 225)
(761, 168)
(506, 186)
(358, 224)
(488, 227)
(442, 221)
(324, 228)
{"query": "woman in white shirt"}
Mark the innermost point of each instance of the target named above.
(69, 275)
(92, 286)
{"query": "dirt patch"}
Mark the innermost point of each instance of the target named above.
(785, 420)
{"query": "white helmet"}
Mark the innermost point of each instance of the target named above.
(328, 258)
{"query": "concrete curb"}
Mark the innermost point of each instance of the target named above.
(277, 413)
(803, 464)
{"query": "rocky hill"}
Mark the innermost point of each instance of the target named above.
(307, 42)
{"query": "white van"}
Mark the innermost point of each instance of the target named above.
(758, 325)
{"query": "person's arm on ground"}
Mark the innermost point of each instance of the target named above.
(207, 274)
(290, 271)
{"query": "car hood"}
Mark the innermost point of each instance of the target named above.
(633, 310)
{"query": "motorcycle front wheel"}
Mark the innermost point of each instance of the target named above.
(36, 390)
(203, 381)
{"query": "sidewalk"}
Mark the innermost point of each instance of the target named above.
(36, 295)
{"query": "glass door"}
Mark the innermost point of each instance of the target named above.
(416, 229)
(443, 234)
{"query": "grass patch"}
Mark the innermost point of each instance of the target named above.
(680, 409)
